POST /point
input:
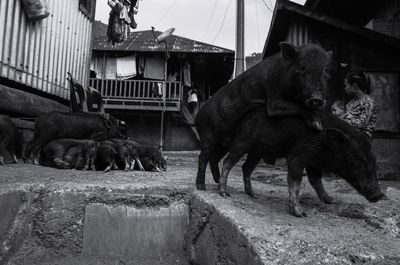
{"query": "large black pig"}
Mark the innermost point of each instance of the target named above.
(9, 139)
(289, 83)
(339, 148)
(55, 125)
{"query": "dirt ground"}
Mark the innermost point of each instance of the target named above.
(350, 231)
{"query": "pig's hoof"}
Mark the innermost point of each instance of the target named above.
(252, 194)
(224, 194)
(328, 199)
(201, 186)
(297, 212)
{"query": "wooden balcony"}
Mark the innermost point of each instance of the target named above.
(138, 94)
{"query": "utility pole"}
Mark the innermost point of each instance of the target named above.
(239, 55)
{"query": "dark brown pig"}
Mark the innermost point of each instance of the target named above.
(89, 153)
(106, 157)
(289, 83)
(73, 156)
(55, 125)
(10, 139)
(339, 148)
(150, 151)
(60, 153)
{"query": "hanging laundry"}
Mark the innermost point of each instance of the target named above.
(35, 9)
(132, 13)
(141, 65)
(154, 68)
(126, 67)
(105, 68)
(115, 30)
(187, 79)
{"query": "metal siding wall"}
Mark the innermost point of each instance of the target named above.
(298, 34)
(40, 54)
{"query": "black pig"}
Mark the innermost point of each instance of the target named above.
(106, 157)
(289, 83)
(339, 148)
(9, 139)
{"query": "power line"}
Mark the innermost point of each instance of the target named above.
(166, 12)
(223, 21)
(267, 6)
(258, 28)
(272, 5)
(210, 19)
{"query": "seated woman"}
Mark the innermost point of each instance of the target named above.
(360, 111)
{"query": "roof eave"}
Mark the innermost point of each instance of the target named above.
(284, 5)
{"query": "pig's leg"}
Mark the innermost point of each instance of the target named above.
(295, 175)
(2, 149)
(92, 167)
(248, 168)
(35, 151)
(132, 164)
(13, 155)
(86, 167)
(126, 164)
(315, 179)
(227, 165)
(140, 164)
(214, 160)
(110, 164)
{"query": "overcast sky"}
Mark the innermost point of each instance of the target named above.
(211, 21)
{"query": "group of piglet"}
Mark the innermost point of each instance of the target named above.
(81, 141)
(115, 153)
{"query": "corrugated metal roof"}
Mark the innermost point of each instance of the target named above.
(143, 41)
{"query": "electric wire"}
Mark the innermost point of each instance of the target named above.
(223, 21)
(267, 6)
(210, 19)
(258, 27)
(166, 12)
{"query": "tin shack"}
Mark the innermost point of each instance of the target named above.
(35, 56)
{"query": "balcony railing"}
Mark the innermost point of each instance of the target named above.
(138, 94)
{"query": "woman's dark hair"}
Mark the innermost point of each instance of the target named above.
(361, 79)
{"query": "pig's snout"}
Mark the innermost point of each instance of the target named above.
(315, 101)
(376, 197)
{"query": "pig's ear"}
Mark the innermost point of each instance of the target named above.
(289, 52)
(336, 139)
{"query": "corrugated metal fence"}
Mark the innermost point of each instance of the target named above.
(40, 54)
(298, 33)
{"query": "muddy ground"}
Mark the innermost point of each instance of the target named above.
(350, 231)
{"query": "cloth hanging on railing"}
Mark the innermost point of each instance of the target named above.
(187, 78)
(105, 68)
(126, 67)
(35, 9)
(154, 68)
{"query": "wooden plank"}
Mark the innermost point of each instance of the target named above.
(24, 103)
